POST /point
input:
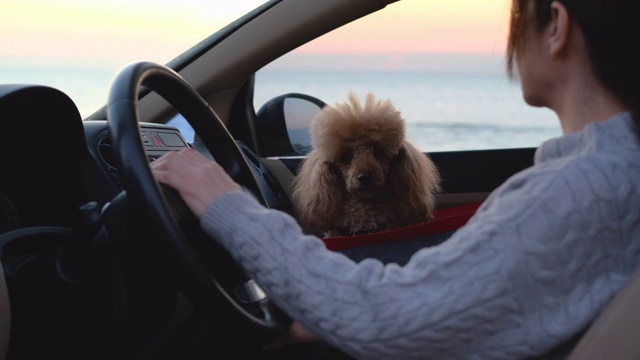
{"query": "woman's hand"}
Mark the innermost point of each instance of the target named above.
(198, 180)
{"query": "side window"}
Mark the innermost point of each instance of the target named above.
(440, 64)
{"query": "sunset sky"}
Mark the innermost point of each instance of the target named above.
(469, 26)
(78, 45)
(64, 30)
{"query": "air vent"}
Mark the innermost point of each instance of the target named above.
(156, 140)
(105, 149)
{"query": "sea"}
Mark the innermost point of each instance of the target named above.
(443, 111)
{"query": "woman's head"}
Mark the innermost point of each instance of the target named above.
(611, 31)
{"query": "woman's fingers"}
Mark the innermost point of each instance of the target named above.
(198, 180)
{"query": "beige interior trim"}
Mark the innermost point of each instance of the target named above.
(5, 315)
(281, 172)
(616, 332)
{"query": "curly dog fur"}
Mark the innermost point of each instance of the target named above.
(363, 175)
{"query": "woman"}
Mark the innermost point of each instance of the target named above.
(535, 265)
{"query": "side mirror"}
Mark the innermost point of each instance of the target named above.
(283, 124)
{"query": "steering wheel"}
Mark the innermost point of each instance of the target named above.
(213, 283)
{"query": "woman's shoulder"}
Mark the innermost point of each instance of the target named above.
(596, 163)
(619, 135)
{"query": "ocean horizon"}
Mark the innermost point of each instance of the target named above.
(443, 111)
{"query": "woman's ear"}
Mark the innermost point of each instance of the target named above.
(558, 31)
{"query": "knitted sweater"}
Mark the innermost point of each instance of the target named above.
(535, 265)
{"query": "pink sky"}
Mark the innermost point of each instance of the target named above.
(408, 34)
(421, 26)
(405, 26)
(64, 30)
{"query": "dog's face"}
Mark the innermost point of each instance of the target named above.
(359, 141)
(364, 168)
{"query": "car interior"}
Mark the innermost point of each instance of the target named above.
(101, 262)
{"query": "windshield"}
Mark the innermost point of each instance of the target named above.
(77, 46)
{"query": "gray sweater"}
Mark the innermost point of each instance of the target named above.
(537, 262)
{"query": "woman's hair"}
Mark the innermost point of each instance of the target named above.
(611, 30)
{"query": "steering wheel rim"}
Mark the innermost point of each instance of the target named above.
(259, 320)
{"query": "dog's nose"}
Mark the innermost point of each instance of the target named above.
(365, 178)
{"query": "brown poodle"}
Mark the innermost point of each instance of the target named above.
(362, 175)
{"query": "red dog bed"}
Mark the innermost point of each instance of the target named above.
(444, 220)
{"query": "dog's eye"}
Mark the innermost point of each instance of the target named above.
(346, 157)
(378, 152)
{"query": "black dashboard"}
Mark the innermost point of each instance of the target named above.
(157, 139)
(77, 251)
(57, 174)
(52, 162)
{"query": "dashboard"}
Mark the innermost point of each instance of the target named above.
(70, 234)
(52, 162)
(157, 140)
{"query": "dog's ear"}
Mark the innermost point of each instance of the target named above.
(318, 192)
(414, 180)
